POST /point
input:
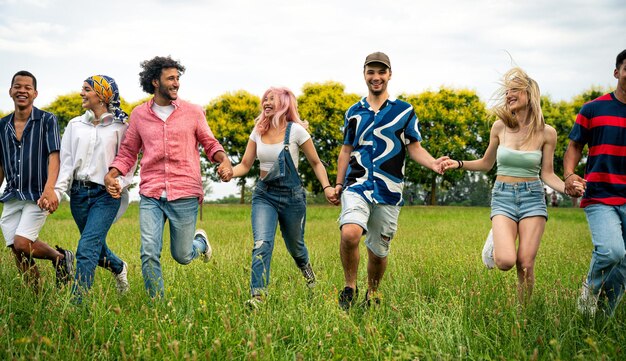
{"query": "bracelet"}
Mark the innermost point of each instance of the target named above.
(328, 186)
(571, 174)
(339, 184)
(460, 163)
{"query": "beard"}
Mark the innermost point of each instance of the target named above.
(164, 92)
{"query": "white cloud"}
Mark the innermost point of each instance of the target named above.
(229, 45)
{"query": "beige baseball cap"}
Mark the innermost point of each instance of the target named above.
(378, 57)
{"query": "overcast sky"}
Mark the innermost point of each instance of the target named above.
(227, 45)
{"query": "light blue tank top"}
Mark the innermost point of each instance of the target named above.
(518, 163)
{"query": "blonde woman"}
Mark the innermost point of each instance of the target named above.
(523, 145)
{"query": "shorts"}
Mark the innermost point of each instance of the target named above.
(518, 200)
(379, 221)
(21, 218)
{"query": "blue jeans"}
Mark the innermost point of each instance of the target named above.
(93, 210)
(272, 206)
(607, 271)
(181, 214)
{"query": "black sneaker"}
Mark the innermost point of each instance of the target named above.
(309, 275)
(64, 267)
(347, 296)
(371, 300)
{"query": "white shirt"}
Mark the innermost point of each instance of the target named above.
(87, 150)
(163, 112)
(268, 153)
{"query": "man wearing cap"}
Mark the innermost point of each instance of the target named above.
(378, 132)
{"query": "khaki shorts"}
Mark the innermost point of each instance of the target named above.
(21, 218)
(379, 221)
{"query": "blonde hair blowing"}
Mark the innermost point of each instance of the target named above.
(517, 79)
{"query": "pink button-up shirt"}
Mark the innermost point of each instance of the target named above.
(171, 160)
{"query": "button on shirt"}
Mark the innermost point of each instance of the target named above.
(88, 149)
(25, 162)
(379, 139)
(171, 159)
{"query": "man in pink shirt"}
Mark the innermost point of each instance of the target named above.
(167, 131)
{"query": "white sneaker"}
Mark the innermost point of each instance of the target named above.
(488, 259)
(206, 256)
(587, 302)
(121, 280)
(254, 303)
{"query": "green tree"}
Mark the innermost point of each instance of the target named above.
(66, 107)
(128, 107)
(561, 116)
(323, 105)
(231, 118)
(453, 122)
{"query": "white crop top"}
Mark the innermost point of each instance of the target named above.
(268, 153)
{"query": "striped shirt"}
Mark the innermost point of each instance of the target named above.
(25, 162)
(601, 125)
(379, 139)
(171, 159)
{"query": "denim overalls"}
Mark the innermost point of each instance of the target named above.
(278, 198)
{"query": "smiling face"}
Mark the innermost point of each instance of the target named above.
(270, 104)
(516, 99)
(90, 98)
(23, 92)
(377, 76)
(166, 88)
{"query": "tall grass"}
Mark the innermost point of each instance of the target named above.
(439, 302)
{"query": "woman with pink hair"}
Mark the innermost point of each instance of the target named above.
(279, 197)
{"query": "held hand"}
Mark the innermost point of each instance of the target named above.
(338, 191)
(579, 189)
(449, 164)
(331, 195)
(438, 164)
(113, 186)
(49, 201)
(43, 204)
(575, 186)
(225, 171)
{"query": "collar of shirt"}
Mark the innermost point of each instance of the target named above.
(364, 104)
(175, 103)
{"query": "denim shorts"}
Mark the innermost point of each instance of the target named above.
(379, 221)
(518, 200)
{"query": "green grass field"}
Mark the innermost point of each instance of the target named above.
(439, 302)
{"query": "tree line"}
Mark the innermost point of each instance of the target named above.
(453, 122)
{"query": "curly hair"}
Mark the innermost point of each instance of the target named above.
(152, 70)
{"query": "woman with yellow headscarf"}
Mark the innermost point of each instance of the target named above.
(89, 144)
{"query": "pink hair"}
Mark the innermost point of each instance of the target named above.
(287, 111)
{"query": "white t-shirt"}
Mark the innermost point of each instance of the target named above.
(268, 153)
(162, 112)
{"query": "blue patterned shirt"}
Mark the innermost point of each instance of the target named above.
(25, 162)
(379, 139)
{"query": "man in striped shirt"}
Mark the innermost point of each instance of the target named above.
(601, 125)
(29, 160)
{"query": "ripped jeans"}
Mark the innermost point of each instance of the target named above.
(272, 206)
